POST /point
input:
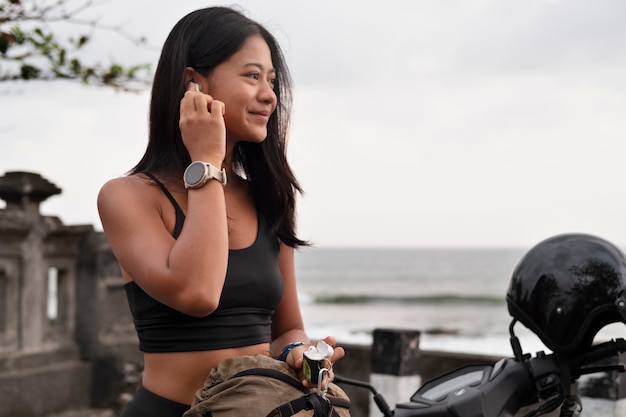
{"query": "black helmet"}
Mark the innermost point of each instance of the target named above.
(568, 287)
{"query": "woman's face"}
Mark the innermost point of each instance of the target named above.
(245, 83)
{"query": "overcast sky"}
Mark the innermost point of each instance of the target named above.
(416, 122)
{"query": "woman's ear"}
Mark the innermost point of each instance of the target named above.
(190, 75)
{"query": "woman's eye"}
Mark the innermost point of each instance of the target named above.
(257, 76)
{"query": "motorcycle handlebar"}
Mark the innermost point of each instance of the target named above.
(598, 352)
(380, 401)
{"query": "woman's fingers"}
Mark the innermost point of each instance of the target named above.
(202, 124)
(217, 107)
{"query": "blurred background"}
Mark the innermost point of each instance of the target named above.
(423, 123)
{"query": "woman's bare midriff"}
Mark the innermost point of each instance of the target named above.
(178, 375)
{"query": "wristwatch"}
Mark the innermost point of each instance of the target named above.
(199, 173)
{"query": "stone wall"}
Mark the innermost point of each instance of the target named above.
(40, 365)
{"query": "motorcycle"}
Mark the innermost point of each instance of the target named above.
(502, 389)
(565, 289)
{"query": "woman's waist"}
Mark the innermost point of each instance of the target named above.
(178, 375)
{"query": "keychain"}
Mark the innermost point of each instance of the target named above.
(314, 358)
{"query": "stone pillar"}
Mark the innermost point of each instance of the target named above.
(38, 251)
(105, 329)
(10, 273)
(395, 359)
(40, 367)
(22, 236)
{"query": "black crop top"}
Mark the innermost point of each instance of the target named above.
(251, 293)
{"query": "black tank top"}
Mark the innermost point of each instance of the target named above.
(251, 293)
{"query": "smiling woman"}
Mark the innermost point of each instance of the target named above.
(204, 225)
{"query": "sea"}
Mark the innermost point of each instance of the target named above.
(456, 298)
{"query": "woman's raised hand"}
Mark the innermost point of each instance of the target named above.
(202, 126)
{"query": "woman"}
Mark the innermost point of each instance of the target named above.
(203, 226)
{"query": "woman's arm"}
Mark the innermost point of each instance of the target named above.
(186, 273)
(287, 325)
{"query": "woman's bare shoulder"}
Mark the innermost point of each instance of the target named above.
(125, 182)
(136, 184)
(133, 190)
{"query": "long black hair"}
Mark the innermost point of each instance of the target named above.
(203, 39)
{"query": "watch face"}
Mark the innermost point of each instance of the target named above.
(194, 173)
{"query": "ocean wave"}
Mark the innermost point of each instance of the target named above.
(410, 299)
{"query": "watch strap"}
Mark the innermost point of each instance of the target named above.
(214, 173)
